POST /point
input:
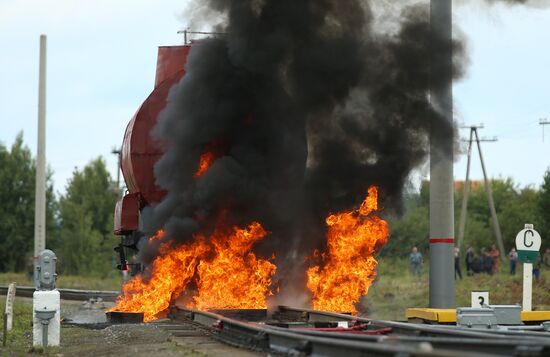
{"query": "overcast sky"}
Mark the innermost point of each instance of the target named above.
(102, 60)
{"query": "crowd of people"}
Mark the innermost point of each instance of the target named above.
(486, 261)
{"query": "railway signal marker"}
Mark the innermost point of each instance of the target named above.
(480, 298)
(528, 242)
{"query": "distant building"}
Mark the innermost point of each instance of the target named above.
(474, 185)
(458, 185)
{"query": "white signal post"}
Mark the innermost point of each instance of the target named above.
(10, 297)
(527, 286)
(528, 244)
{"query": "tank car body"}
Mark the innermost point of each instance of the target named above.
(141, 150)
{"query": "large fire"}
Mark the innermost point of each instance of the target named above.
(205, 161)
(221, 271)
(227, 274)
(235, 278)
(348, 267)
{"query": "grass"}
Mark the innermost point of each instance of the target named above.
(395, 291)
(77, 341)
(111, 282)
(20, 337)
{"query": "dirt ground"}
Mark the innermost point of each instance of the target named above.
(84, 333)
(154, 339)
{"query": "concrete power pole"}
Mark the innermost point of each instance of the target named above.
(441, 159)
(40, 190)
(118, 153)
(488, 190)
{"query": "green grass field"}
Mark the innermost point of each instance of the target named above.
(111, 282)
(19, 339)
(396, 290)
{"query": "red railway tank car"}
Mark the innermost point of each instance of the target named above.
(140, 150)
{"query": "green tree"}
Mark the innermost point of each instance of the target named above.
(86, 214)
(17, 196)
(543, 208)
(411, 228)
(519, 210)
(479, 230)
(514, 207)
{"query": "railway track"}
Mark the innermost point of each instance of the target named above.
(66, 294)
(305, 332)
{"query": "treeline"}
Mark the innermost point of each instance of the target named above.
(79, 223)
(514, 205)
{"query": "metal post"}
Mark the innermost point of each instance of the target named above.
(527, 286)
(441, 160)
(465, 193)
(118, 153)
(45, 334)
(40, 190)
(489, 191)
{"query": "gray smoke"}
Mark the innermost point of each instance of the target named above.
(306, 105)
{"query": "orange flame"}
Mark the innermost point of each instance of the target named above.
(158, 236)
(348, 266)
(225, 270)
(206, 160)
(235, 278)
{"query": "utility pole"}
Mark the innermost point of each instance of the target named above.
(40, 189)
(543, 122)
(118, 153)
(496, 226)
(186, 32)
(441, 287)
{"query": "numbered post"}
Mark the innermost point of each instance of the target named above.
(528, 244)
(480, 298)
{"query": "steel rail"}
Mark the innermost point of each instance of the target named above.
(398, 327)
(504, 347)
(420, 329)
(66, 294)
(508, 331)
(262, 338)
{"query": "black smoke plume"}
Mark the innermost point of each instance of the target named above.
(308, 105)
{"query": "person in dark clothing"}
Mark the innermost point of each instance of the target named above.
(416, 262)
(469, 260)
(487, 262)
(457, 263)
(477, 264)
